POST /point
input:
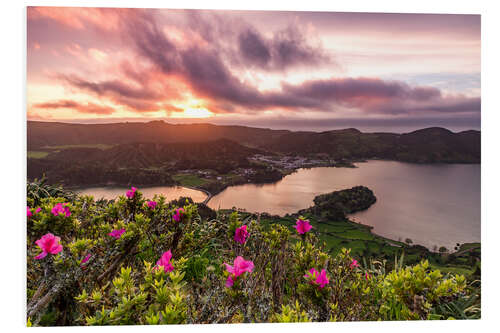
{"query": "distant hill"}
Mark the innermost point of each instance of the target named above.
(429, 145)
(138, 163)
(42, 134)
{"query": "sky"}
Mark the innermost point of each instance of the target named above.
(275, 69)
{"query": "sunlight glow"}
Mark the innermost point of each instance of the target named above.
(193, 113)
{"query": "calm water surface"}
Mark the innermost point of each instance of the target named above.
(430, 204)
(170, 192)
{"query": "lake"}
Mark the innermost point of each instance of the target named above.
(170, 192)
(430, 204)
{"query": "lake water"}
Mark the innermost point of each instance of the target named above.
(170, 192)
(430, 204)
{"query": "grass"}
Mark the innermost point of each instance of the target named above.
(363, 244)
(454, 270)
(37, 154)
(467, 246)
(189, 180)
(96, 145)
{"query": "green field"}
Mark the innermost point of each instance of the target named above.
(37, 154)
(363, 244)
(189, 180)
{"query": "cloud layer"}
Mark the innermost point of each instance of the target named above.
(147, 62)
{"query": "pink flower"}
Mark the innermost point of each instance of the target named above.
(117, 233)
(229, 281)
(354, 264)
(367, 276)
(178, 214)
(152, 204)
(84, 260)
(130, 193)
(239, 267)
(49, 244)
(241, 234)
(61, 209)
(164, 261)
(302, 226)
(317, 278)
(30, 214)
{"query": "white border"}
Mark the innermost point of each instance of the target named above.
(13, 134)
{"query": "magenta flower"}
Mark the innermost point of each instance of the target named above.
(302, 226)
(61, 209)
(38, 210)
(164, 261)
(179, 212)
(117, 233)
(84, 260)
(239, 267)
(30, 214)
(49, 244)
(241, 234)
(367, 276)
(152, 204)
(130, 193)
(354, 264)
(317, 278)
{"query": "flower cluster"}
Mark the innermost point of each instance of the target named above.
(30, 213)
(164, 262)
(316, 278)
(354, 264)
(179, 212)
(152, 204)
(239, 267)
(48, 244)
(61, 209)
(130, 193)
(241, 234)
(117, 233)
(302, 226)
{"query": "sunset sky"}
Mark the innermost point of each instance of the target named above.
(294, 70)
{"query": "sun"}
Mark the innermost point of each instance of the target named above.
(197, 113)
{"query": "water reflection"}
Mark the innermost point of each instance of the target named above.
(171, 192)
(430, 204)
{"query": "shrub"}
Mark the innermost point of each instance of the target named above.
(97, 279)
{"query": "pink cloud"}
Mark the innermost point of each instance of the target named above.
(88, 107)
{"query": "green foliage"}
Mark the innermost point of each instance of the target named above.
(411, 292)
(291, 314)
(121, 285)
(39, 189)
(158, 299)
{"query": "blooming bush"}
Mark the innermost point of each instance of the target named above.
(92, 263)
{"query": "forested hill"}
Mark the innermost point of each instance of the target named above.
(41, 134)
(430, 145)
(138, 163)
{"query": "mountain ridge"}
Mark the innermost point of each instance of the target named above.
(427, 145)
